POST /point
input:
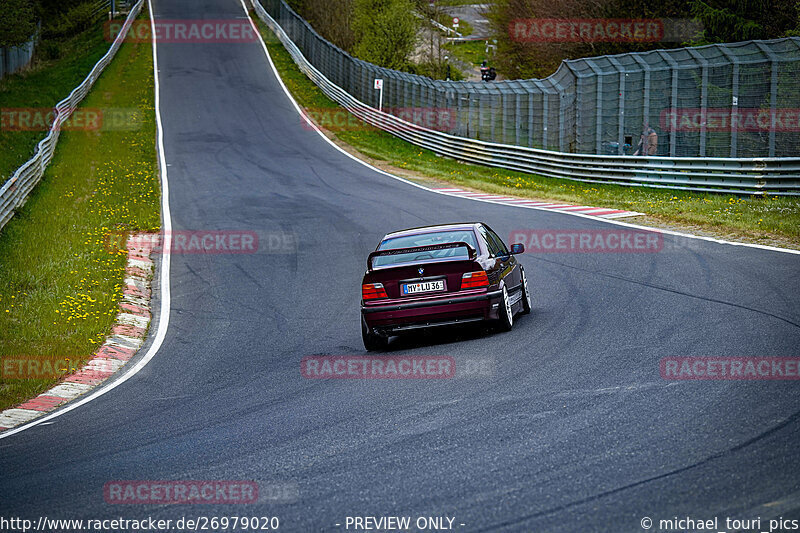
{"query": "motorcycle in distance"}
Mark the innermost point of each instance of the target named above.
(487, 73)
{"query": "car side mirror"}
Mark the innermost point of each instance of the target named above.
(517, 248)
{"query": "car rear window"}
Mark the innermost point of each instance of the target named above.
(425, 239)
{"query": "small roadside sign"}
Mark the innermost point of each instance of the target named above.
(379, 87)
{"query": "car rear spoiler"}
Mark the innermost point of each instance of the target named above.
(429, 248)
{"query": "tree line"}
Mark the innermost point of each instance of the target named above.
(703, 22)
(59, 19)
(386, 32)
(383, 32)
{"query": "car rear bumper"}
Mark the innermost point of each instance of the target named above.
(399, 316)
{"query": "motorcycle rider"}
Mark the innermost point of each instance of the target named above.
(487, 73)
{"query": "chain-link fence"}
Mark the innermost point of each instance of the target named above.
(733, 100)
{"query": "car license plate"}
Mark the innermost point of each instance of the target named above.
(423, 286)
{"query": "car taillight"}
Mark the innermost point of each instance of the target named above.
(473, 280)
(371, 291)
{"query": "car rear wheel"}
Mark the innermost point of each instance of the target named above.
(506, 312)
(526, 295)
(372, 341)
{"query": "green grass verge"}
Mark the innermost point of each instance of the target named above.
(42, 86)
(464, 27)
(59, 285)
(473, 52)
(769, 220)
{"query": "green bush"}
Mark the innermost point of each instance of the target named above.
(17, 22)
(385, 31)
(49, 50)
(434, 70)
(74, 21)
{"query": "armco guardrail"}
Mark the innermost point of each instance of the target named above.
(774, 176)
(16, 189)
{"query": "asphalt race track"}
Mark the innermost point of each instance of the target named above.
(572, 429)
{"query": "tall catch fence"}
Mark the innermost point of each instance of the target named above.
(734, 100)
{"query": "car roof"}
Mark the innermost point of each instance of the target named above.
(429, 229)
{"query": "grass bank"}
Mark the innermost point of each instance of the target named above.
(59, 286)
(764, 220)
(41, 86)
(473, 52)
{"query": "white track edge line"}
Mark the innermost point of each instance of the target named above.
(163, 318)
(606, 220)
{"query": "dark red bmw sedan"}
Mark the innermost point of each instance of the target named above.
(438, 276)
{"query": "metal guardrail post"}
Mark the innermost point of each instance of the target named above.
(673, 67)
(484, 108)
(545, 118)
(646, 70)
(471, 128)
(573, 132)
(502, 100)
(598, 104)
(773, 93)
(734, 59)
(544, 91)
(530, 119)
(518, 118)
(561, 114)
(621, 112)
(703, 96)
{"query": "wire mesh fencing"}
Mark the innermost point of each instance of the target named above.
(733, 100)
(757, 176)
